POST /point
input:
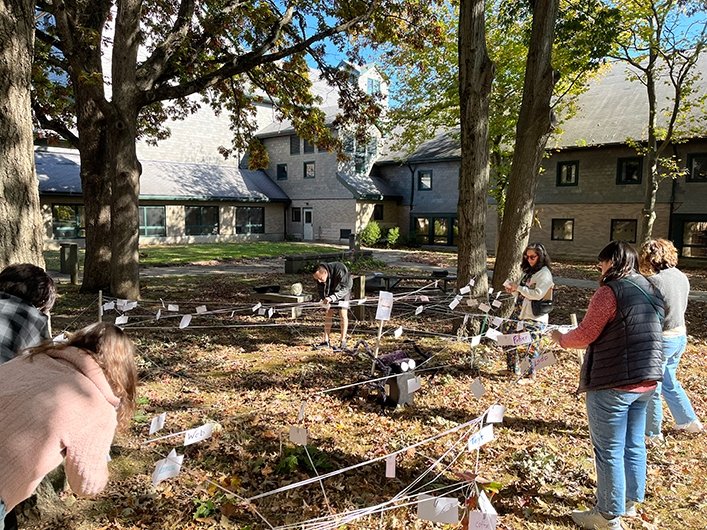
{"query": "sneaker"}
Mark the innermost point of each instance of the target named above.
(322, 345)
(694, 426)
(594, 520)
(631, 509)
(655, 440)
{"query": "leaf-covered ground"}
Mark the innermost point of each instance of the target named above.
(249, 375)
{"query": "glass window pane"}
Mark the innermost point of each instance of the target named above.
(441, 231)
(422, 230)
(694, 239)
(623, 230)
(562, 229)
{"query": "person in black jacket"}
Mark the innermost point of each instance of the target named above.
(622, 332)
(334, 285)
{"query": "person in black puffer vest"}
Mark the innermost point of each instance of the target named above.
(622, 332)
(334, 284)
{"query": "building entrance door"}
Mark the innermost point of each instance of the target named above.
(308, 228)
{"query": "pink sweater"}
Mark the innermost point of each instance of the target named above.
(55, 405)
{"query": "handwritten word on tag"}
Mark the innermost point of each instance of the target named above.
(484, 436)
(515, 339)
(173, 307)
(390, 466)
(485, 517)
(186, 320)
(167, 468)
(485, 308)
(438, 509)
(121, 320)
(157, 422)
(385, 305)
(298, 435)
(477, 388)
(198, 434)
(544, 360)
(200, 310)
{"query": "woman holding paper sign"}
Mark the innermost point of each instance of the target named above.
(64, 401)
(623, 336)
(535, 286)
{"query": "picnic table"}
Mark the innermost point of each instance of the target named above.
(390, 282)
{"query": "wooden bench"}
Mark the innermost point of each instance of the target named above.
(278, 298)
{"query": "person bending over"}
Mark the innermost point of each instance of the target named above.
(334, 285)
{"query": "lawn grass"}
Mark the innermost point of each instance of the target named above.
(168, 255)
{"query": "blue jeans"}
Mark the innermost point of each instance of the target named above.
(617, 420)
(671, 389)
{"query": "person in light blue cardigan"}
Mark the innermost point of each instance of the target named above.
(658, 260)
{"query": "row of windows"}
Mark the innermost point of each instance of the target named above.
(296, 142)
(297, 214)
(621, 229)
(69, 220)
(629, 170)
(308, 171)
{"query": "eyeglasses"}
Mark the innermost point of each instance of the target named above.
(530, 256)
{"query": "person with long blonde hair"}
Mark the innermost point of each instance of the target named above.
(658, 262)
(64, 401)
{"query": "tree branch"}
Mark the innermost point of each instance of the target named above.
(54, 125)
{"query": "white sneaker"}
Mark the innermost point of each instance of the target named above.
(631, 509)
(694, 426)
(594, 520)
(655, 440)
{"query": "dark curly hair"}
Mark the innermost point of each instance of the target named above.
(30, 284)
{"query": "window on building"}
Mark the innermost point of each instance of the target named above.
(422, 230)
(309, 170)
(629, 170)
(68, 221)
(250, 220)
(308, 147)
(441, 231)
(377, 212)
(373, 86)
(200, 220)
(348, 143)
(424, 179)
(296, 215)
(344, 233)
(294, 144)
(153, 221)
(282, 172)
(568, 173)
(562, 230)
(697, 167)
(624, 230)
(694, 239)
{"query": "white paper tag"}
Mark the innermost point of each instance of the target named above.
(524, 366)
(495, 414)
(157, 422)
(158, 315)
(167, 467)
(414, 385)
(344, 304)
(472, 282)
(545, 359)
(186, 320)
(385, 305)
(61, 337)
(490, 290)
(390, 466)
(477, 388)
(173, 307)
(261, 311)
(485, 518)
(497, 321)
(515, 339)
(485, 308)
(438, 509)
(398, 332)
(271, 312)
(108, 306)
(493, 334)
(298, 435)
(520, 326)
(484, 436)
(256, 307)
(200, 310)
(475, 340)
(121, 320)
(465, 289)
(496, 303)
(424, 298)
(454, 303)
(419, 309)
(198, 434)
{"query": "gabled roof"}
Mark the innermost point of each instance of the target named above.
(285, 128)
(444, 146)
(58, 171)
(367, 187)
(615, 108)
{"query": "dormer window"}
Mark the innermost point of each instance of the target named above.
(373, 87)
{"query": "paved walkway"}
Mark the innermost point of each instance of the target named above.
(392, 257)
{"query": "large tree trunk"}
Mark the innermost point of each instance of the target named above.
(532, 132)
(21, 227)
(125, 168)
(475, 76)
